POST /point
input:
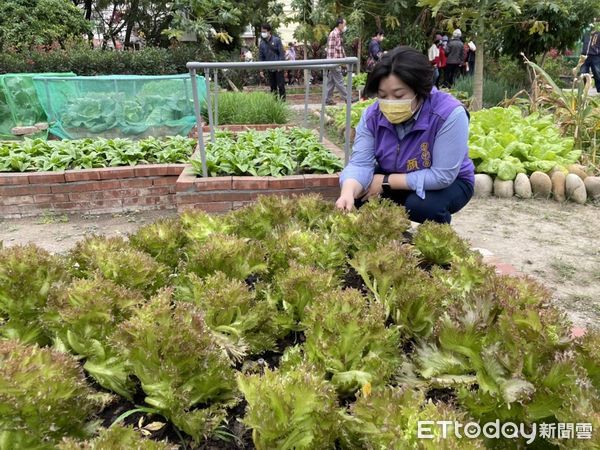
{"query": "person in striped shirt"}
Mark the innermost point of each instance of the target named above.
(335, 50)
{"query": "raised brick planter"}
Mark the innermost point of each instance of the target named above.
(106, 190)
(145, 187)
(222, 194)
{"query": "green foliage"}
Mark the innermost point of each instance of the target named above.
(83, 316)
(199, 226)
(275, 152)
(296, 288)
(25, 24)
(238, 258)
(43, 397)
(388, 418)
(115, 260)
(556, 24)
(113, 438)
(163, 240)
(347, 338)
(27, 276)
(40, 155)
(251, 108)
(588, 355)
(305, 247)
(257, 220)
(89, 62)
(464, 276)
(504, 143)
(103, 111)
(409, 296)
(379, 220)
(179, 363)
(439, 243)
(292, 410)
(231, 310)
(495, 89)
(356, 112)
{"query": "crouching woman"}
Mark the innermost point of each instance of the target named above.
(411, 144)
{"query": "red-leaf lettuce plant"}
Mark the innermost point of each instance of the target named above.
(27, 275)
(185, 374)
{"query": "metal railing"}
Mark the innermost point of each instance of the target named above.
(323, 64)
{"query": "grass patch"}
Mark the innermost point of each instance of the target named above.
(247, 108)
(494, 91)
(563, 270)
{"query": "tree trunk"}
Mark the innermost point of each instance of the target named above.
(131, 18)
(359, 50)
(479, 62)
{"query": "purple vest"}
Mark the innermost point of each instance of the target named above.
(413, 152)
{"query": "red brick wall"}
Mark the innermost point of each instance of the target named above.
(159, 186)
(108, 190)
(222, 194)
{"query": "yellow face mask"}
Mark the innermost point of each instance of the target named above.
(396, 111)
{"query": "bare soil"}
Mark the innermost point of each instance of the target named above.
(557, 244)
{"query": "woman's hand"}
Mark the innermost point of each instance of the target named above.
(345, 202)
(375, 188)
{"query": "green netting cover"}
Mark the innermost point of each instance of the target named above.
(119, 105)
(19, 104)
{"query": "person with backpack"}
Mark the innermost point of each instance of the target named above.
(456, 57)
(375, 50)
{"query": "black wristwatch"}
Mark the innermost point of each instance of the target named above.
(385, 184)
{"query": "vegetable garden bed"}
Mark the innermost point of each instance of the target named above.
(137, 187)
(283, 325)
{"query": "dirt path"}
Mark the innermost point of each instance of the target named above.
(557, 244)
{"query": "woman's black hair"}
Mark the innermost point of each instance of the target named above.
(408, 64)
(266, 26)
(379, 33)
(339, 21)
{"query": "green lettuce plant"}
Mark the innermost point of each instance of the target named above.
(464, 276)
(588, 355)
(83, 316)
(504, 143)
(292, 410)
(410, 297)
(27, 275)
(231, 310)
(388, 418)
(43, 397)
(199, 226)
(185, 374)
(512, 363)
(294, 289)
(312, 209)
(439, 243)
(117, 261)
(259, 219)
(379, 220)
(163, 240)
(305, 247)
(346, 337)
(238, 258)
(114, 438)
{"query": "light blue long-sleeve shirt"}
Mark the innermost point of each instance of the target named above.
(449, 151)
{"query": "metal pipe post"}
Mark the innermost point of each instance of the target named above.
(323, 98)
(209, 106)
(216, 97)
(198, 122)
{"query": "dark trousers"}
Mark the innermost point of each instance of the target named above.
(277, 82)
(437, 206)
(452, 70)
(592, 63)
